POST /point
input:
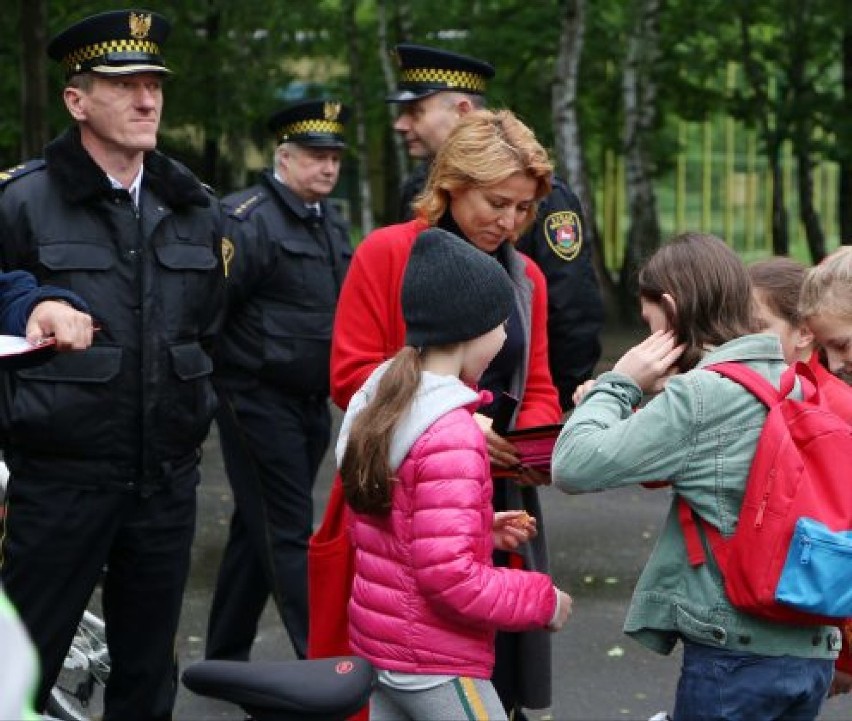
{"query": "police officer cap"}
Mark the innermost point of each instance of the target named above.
(316, 123)
(424, 71)
(119, 42)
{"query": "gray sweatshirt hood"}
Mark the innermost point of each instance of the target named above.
(436, 396)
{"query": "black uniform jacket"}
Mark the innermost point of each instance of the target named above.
(140, 400)
(284, 270)
(575, 312)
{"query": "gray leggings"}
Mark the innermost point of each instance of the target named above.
(462, 699)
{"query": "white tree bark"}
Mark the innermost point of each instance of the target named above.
(640, 111)
(570, 158)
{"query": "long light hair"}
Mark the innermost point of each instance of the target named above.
(485, 148)
(365, 470)
(711, 289)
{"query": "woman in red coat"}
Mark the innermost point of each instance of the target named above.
(484, 186)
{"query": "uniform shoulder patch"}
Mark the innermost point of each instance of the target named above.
(246, 207)
(19, 171)
(564, 234)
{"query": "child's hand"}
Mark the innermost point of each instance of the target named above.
(651, 363)
(581, 390)
(512, 528)
(563, 610)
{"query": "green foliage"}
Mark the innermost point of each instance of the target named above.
(236, 61)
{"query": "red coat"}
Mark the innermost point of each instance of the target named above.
(369, 328)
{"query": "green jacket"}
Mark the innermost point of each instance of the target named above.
(699, 433)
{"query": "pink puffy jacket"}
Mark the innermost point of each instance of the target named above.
(425, 597)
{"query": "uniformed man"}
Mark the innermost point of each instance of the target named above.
(103, 445)
(288, 251)
(435, 88)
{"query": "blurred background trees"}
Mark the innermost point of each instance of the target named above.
(728, 116)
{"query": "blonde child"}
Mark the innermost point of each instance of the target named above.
(699, 432)
(426, 600)
(825, 305)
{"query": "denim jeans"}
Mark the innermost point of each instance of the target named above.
(716, 685)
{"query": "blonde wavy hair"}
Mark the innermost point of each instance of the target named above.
(485, 148)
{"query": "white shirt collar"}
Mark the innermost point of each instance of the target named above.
(135, 187)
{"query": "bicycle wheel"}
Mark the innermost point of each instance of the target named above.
(78, 694)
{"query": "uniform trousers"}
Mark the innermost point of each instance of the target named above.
(59, 537)
(272, 444)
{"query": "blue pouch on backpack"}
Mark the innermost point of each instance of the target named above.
(817, 575)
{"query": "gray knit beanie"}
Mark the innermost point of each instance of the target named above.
(451, 291)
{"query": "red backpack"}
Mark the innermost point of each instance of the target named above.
(790, 557)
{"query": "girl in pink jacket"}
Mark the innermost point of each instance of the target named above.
(426, 600)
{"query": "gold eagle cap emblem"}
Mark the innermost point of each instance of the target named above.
(331, 111)
(140, 25)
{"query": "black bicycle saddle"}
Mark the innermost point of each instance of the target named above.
(328, 689)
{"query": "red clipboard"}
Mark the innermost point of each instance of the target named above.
(17, 352)
(535, 446)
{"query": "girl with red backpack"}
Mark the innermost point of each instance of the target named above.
(699, 432)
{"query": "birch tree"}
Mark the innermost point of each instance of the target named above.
(639, 90)
(569, 151)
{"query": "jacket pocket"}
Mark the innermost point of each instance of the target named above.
(817, 575)
(186, 256)
(296, 349)
(695, 629)
(190, 284)
(79, 267)
(64, 404)
(187, 404)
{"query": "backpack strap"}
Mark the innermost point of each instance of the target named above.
(751, 380)
(689, 523)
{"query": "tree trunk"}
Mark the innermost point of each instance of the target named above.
(350, 32)
(570, 158)
(640, 111)
(780, 231)
(210, 149)
(807, 212)
(34, 133)
(844, 191)
(400, 152)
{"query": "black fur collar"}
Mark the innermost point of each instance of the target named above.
(80, 178)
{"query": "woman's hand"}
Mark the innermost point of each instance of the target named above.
(512, 528)
(651, 363)
(501, 452)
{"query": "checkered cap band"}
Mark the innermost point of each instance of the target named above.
(313, 125)
(90, 52)
(463, 80)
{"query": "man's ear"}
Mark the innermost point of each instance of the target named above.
(463, 105)
(74, 98)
